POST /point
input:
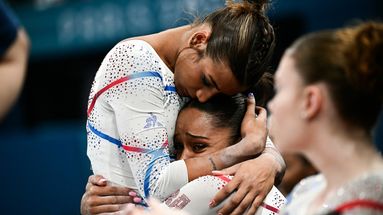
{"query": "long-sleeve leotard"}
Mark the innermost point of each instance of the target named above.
(132, 110)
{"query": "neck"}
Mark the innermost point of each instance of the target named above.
(169, 43)
(342, 157)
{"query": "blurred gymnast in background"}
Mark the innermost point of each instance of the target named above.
(14, 51)
(329, 91)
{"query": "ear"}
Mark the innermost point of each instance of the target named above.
(200, 38)
(313, 101)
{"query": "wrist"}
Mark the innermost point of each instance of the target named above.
(276, 163)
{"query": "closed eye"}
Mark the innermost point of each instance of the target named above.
(205, 81)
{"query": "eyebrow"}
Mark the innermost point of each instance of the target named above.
(215, 84)
(196, 136)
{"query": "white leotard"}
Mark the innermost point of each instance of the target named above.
(132, 111)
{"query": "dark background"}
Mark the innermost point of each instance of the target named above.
(44, 166)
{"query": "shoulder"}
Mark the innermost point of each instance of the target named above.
(368, 186)
(130, 57)
(134, 46)
(308, 185)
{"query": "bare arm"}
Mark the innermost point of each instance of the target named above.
(254, 132)
(12, 71)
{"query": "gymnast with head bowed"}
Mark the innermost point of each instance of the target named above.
(142, 84)
(329, 92)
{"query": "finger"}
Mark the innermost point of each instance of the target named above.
(261, 113)
(234, 202)
(245, 204)
(109, 200)
(108, 209)
(224, 193)
(108, 190)
(251, 104)
(227, 171)
(97, 180)
(89, 185)
(217, 172)
(255, 205)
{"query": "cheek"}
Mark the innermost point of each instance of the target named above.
(282, 122)
(186, 73)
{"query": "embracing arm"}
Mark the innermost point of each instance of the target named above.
(254, 132)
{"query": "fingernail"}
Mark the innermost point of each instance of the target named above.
(131, 193)
(216, 172)
(103, 180)
(250, 95)
(137, 200)
(212, 203)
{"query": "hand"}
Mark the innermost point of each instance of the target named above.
(254, 126)
(253, 180)
(99, 197)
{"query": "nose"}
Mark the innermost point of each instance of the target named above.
(204, 94)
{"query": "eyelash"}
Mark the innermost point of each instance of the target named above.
(205, 81)
(201, 146)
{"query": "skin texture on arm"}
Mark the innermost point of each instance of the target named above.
(12, 71)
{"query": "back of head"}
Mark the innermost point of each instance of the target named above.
(243, 37)
(350, 62)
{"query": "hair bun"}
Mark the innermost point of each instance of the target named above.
(369, 56)
(259, 5)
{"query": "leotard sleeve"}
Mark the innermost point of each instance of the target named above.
(130, 124)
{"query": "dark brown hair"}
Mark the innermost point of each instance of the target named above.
(243, 37)
(350, 62)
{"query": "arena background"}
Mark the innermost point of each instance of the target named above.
(43, 160)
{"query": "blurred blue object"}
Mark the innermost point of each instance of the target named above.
(43, 170)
